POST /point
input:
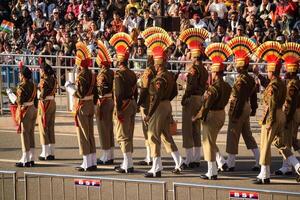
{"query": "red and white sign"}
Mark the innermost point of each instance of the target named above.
(87, 182)
(243, 195)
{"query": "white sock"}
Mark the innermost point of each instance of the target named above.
(84, 164)
(211, 169)
(256, 156)
(197, 154)
(264, 172)
(31, 154)
(51, 149)
(148, 155)
(188, 156)
(45, 151)
(231, 160)
(156, 165)
(25, 157)
(177, 159)
(127, 162)
(293, 160)
(220, 160)
(105, 155)
(285, 166)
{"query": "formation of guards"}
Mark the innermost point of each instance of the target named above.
(113, 98)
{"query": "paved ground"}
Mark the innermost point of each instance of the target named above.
(68, 157)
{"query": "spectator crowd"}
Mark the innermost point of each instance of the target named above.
(52, 27)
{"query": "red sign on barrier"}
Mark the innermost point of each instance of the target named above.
(243, 195)
(87, 182)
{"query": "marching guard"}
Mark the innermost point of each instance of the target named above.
(84, 93)
(192, 99)
(26, 115)
(46, 111)
(105, 105)
(239, 112)
(162, 90)
(273, 119)
(291, 108)
(125, 96)
(212, 113)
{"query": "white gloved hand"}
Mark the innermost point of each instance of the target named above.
(38, 93)
(70, 87)
(12, 97)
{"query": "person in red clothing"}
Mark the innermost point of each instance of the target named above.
(287, 7)
(49, 31)
(117, 23)
(73, 7)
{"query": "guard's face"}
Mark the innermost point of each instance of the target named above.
(213, 75)
(270, 75)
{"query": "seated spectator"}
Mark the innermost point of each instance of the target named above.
(71, 21)
(197, 7)
(146, 21)
(258, 38)
(56, 20)
(218, 36)
(39, 21)
(266, 9)
(172, 8)
(240, 31)
(116, 23)
(213, 21)
(94, 30)
(48, 32)
(285, 8)
(154, 8)
(132, 4)
(102, 21)
(217, 6)
(61, 34)
(86, 22)
(139, 54)
(132, 21)
(196, 22)
(251, 25)
(116, 5)
(295, 37)
(184, 20)
(85, 7)
(250, 9)
(235, 21)
(73, 7)
(26, 20)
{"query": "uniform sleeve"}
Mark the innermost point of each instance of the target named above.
(20, 95)
(82, 84)
(189, 85)
(241, 95)
(45, 88)
(210, 97)
(290, 104)
(119, 91)
(156, 92)
(273, 93)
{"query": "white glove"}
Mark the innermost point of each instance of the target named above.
(12, 97)
(70, 87)
(38, 93)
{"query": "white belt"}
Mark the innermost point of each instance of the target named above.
(87, 98)
(106, 95)
(49, 98)
(27, 103)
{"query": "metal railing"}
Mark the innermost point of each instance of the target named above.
(218, 192)
(64, 187)
(8, 185)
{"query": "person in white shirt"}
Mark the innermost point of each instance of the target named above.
(217, 6)
(132, 20)
(196, 22)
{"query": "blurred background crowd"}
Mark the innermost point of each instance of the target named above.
(52, 27)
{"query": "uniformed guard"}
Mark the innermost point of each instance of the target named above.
(46, 111)
(105, 105)
(84, 108)
(273, 118)
(26, 116)
(291, 57)
(144, 103)
(240, 109)
(192, 98)
(125, 96)
(212, 113)
(162, 90)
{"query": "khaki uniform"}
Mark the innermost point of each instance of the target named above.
(162, 90)
(191, 102)
(291, 110)
(274, 118)
(239, 114)
(104, 108)
(125, 95)
(144, 100)
(84, 111)
(26, 113)
(46, 110)
(212, 115)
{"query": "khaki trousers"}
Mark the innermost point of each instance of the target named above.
(104, 118)
(145, 127)
(85, 130)
(238, 127)
(47, 135)
(159, 128)
(211, 127)
(191, 131)
(125, 129)
(273, 136)
(27, 126)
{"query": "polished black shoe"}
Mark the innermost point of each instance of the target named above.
(184, 166)
(214, 177)
(194, 165)
(298, 178)
(231, 169)
(32, 163)
(279, 172)
(262, 181)
(92, 168)
(224, 168)
(152, 175)
(176, 171)
(109, 162)
(123, 171)
(20, 164)
(42, 158)
(144, 163)
(80, 169)
(50, 157)
(256, 168)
